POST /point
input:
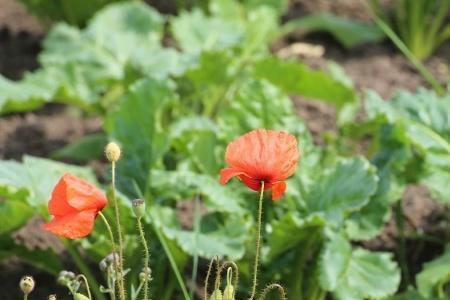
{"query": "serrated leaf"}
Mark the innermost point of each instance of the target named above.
(259, 104)
(368, 222)
(225, 239)
(289, 231)
(357, 274)
(196, 32)
(344, 188)
(418, 126)
(181, 185)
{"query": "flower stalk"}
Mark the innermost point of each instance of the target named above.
(113, 153)
(258, 242)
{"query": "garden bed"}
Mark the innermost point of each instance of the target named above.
(379, 67)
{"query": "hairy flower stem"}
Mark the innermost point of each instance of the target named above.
(113, 243)
(120, 279)
(146, 257)
(271, 287)
(258, 242)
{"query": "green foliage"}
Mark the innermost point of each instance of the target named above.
(70, 11)
(173, 109)
(413, 136)
(433, 280)
(422, 25)
(350, 33)
(358, 273)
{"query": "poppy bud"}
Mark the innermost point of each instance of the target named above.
(110, 257)
(79, 296)
(138, 207)
(27, 284)
(145, 272)
(228, 293)
(103, 265)
(112, 152)
(216, 295)
(52, 297)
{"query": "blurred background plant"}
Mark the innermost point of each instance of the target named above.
(423, 25)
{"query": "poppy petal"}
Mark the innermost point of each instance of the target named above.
(228, 173)
(58, 205)
(278, 190)
(82, 195)
(74, 225)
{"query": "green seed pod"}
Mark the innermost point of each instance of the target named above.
(138, 207)
(27, 284)
(79, 296)
(52, 297)
(228, 293)
(216, 295)
(145, 272)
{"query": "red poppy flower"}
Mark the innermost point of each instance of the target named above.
(74, 205)
(262, 155)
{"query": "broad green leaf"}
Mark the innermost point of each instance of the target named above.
(258, 104)
(297, 78)
(368, 222)
(83, 150)
(349, 33)
(182, 185)
(65, 84)
(196, 32)
(408, 295)
(290, 231)
(342, 189)
(357, 274)
(196, 142)
(278, 5)
(225, 239)
(416, 125)
(69, 11)
(433, 280)
(13, 213)
(27, 176)
(137, 124)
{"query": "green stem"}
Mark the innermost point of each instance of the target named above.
(25, 296)
(120, 277)
(172, 261)
(296, 286)
(196, 235)
(138, 291)
(404, 49)
(79, 262)
(399, 218)
(111, 283)
(112, 240)
(146, 257)
(258, 242)
(86, 283)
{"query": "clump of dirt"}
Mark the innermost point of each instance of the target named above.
(40, 133)
(14, 16)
